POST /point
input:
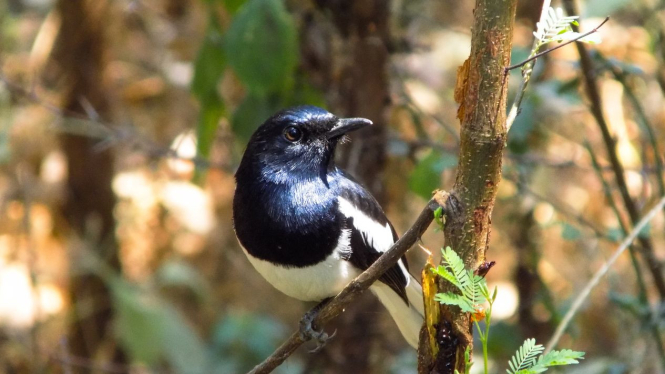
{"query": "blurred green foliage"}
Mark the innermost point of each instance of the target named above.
(152, 330)
(261, 47)
(426, 176)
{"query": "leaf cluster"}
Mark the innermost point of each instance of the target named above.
(473, 288)
(556, 27)
(529, 358)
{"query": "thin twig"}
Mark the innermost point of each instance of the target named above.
(91, 126)
(595, 29)
(517, 102)
(592, 91)
(641, 283)
(583, 296)
(620, 75)
(560, 207)
(526, 75)
(607, 190)
(358, 285)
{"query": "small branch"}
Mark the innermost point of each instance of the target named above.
(595, 29)
(89, 125)
(561, 208)
(641, 283)
(517, 102)
(583, 296)
(593, 93)
(357, 286)
(620, 75)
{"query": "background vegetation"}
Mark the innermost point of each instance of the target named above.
(118, 255)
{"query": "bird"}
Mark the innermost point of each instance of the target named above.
(307, 226)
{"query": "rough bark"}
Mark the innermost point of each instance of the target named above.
(88, 206)
(481, 93)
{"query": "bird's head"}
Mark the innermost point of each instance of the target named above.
(297, 143)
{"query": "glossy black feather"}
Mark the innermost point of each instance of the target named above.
(285, 207)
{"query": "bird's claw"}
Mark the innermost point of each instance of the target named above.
(321, 340)
(307, 332)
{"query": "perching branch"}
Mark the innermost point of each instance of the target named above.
(362, 282)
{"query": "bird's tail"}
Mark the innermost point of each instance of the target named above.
(409, 318)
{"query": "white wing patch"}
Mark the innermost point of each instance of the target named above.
(377, 236)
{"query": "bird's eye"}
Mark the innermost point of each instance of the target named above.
(292, 134)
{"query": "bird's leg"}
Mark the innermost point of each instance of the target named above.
(307, 331)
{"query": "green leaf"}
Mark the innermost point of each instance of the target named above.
(426, 177)
(615, 234)
(630, 303)
(151, 329)
(450, 298)
(233, 5)
(554, 358)
(523, 126)
(251, 113)
(438, 218)
(645, 232)
(570, 232)
(456, 266)
(445, 274)
(525, 357)
(480, 291)
(240, 339)
(208, 69)
(180, 274)
(135, 323)
(210, 62)
(262, 46)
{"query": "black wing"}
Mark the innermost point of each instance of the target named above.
(371, 233)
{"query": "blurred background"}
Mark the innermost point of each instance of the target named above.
(121, 124)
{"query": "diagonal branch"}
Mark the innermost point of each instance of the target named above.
(593, 93)
(540, 54)
(358, 285)
(584, 294)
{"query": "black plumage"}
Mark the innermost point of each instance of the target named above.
(305, 225)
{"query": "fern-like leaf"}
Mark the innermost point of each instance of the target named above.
(473, 287)
(450, 298)
(556, 358)
(525, 357)
(555, 27)
(553, 23)
(445, 274)
(452, 261)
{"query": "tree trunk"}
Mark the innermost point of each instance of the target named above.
(481, 92)
(89, 202)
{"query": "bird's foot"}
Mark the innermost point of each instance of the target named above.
(307, 331)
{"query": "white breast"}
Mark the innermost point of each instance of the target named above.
(312, 283)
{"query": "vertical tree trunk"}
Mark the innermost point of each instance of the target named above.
(481, 93)
(89, 202)
(356, 81)
(530, 286)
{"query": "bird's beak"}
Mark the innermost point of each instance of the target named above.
(345, 125)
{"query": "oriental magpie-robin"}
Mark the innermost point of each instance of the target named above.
(307, 226)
